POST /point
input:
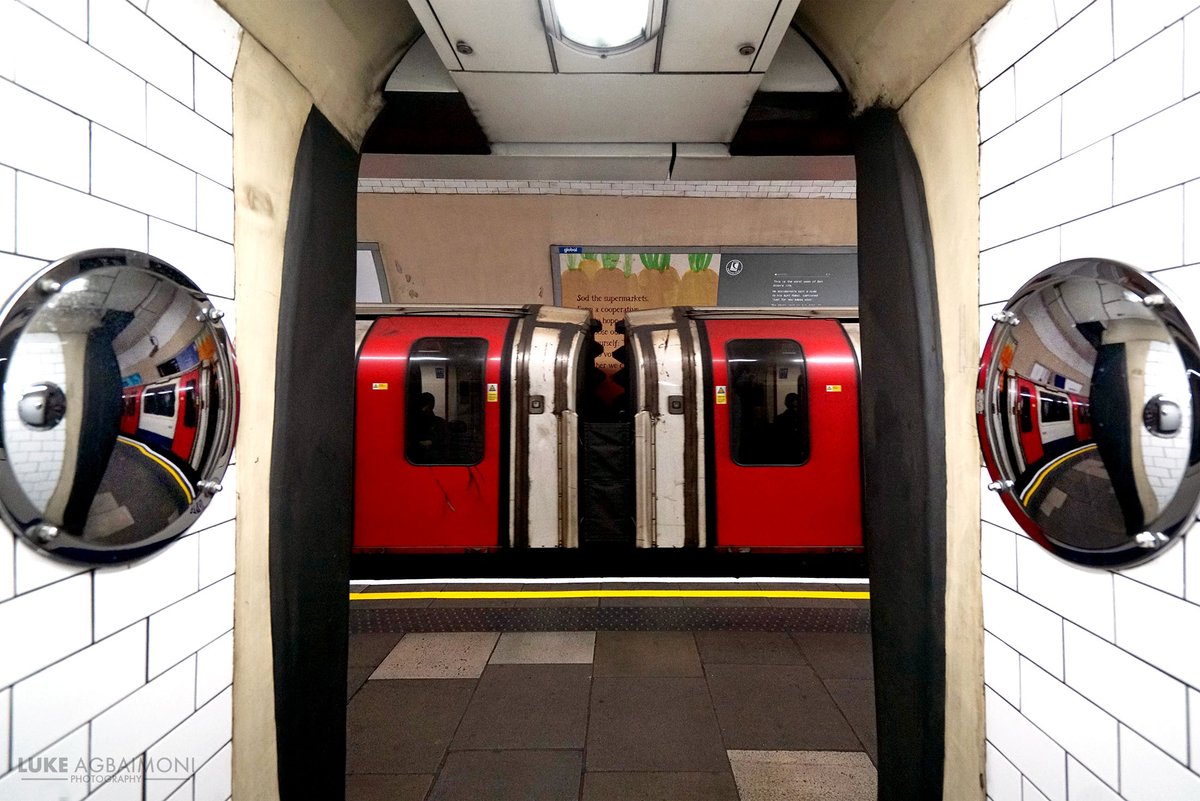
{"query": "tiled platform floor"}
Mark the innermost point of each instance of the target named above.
(610, 715)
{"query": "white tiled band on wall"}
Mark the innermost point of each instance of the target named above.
(117, 119)
(757, 189)
(1088, 110)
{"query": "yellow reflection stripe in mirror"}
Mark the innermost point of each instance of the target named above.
(1040, 476)
(171, 469)
(536, 594)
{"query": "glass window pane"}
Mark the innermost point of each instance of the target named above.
(445, 392)
(768, 402)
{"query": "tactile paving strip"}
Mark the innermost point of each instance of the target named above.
(612, 618)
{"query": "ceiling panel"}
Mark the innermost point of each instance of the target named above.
(608, 108)
(704, 36)
(433, 29)
(780, 26)
(420, 70)
(640, 59)
(505, 35)
(797, 68)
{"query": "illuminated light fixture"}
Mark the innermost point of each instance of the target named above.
(603, 27)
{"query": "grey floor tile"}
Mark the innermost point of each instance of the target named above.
(509, 776)
(527, 707)
(653, 724)
(545, 648)
(659, 787)
(748, 648)
(803, 776)
(369, 649)
(836, 655)
(403, 726)
(856, 699)
(777, 707)
(477, 603)
(647, 653)
(573, 602)
(355, 678)
(438, 655)
(384, 787)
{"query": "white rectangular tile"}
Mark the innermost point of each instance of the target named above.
(8, 40)
(8, 211)
(1015, 29)
(126, 594)
(49, 624)
(1030, 792)
(1193, 728)
(126, 785)
(214, 210)
(222, 507)
(1183, 284)
(214, 779)
(1087, 732)
(203, 26)
(1150, 624)
(5, 699)
(1064, 10)
(214, 668)
(50, 141)
(70, 14)
(1073, 187)
(1080, 595)
(544, 647)
(214, 95)
(998, 105)
(15, 271)
(1022, 148)
(61, 68)
(216, 552)
(30, 786)
(180, 133)
(55, 701)
(438, 655)
(1103, 674)
(1003, 270)
(1130, 89)
(34, 569)
(1003, 778)
(1027, 747)
(1191, 218)
(130, 37)
(207, 261)
(1031, 629)
(130, 727)
(1134, 22)
(998, 554)
(1157, 243)
(96, 223)
(193, 742)
(7, 557)
(1072, 53)
(1082, 785)
(127, 173)
(1147, 774)
(190, 624)
(1164, 572)
(1157, 153)
(1002, 669)
(1191, 53)
(185, 791)
(1191, 559)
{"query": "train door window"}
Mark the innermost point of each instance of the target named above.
(159, 401)
(1025, 410)
(1054, 408)
(768, 402)
(445, 393)
(191, 404)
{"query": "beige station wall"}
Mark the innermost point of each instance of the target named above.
(495, 249)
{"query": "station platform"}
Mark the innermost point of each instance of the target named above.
(621, 692)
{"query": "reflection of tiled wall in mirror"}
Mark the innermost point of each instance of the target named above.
(1165, 458)
(36, 456)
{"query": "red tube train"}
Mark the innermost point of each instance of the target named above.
(170, 415)
(479, 429)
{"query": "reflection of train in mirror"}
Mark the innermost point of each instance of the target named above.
(1046, 421)
(171, 415)
(480, 429)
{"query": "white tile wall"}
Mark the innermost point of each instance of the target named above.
(212, 780)
(1015, 30)
(36, 784)
(80, 82)
(1003, 778)
(1121, 187)
(1029, 792)
(846, 189)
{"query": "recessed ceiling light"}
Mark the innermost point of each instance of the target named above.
(602, 27)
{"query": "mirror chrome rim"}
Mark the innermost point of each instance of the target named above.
(1180, 512)
(16, 510)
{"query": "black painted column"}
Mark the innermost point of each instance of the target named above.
(904, 459)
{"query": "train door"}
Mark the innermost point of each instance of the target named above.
(428, 434)
(1054, 416)
(785, 435)
(188, 415)
(156, 423)
(1026, 417)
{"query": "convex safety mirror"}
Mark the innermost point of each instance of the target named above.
(1087, 408)
(119, 406)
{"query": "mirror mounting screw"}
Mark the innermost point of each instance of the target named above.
(746, 49)
(1150, 539)
(210, 314)
(42, 533)
(1157, 299)
(49, 286)
(210, 487)
(1006, 318)
(1001, 486)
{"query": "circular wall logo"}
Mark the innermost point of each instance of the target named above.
(733, 267)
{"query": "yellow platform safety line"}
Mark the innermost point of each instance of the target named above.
(171, 469)
(539, 594)
(1050, 468)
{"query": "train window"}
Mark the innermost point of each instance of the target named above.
(1054, 408)
(191, 403)
(445, 394)
(159, 401)
(1025, 410)
(768, 402)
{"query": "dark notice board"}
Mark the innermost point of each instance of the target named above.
(791, 278)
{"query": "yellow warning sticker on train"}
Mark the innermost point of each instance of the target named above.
(833, 387)
(720, 396)
(493, 393)
(379, 385)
